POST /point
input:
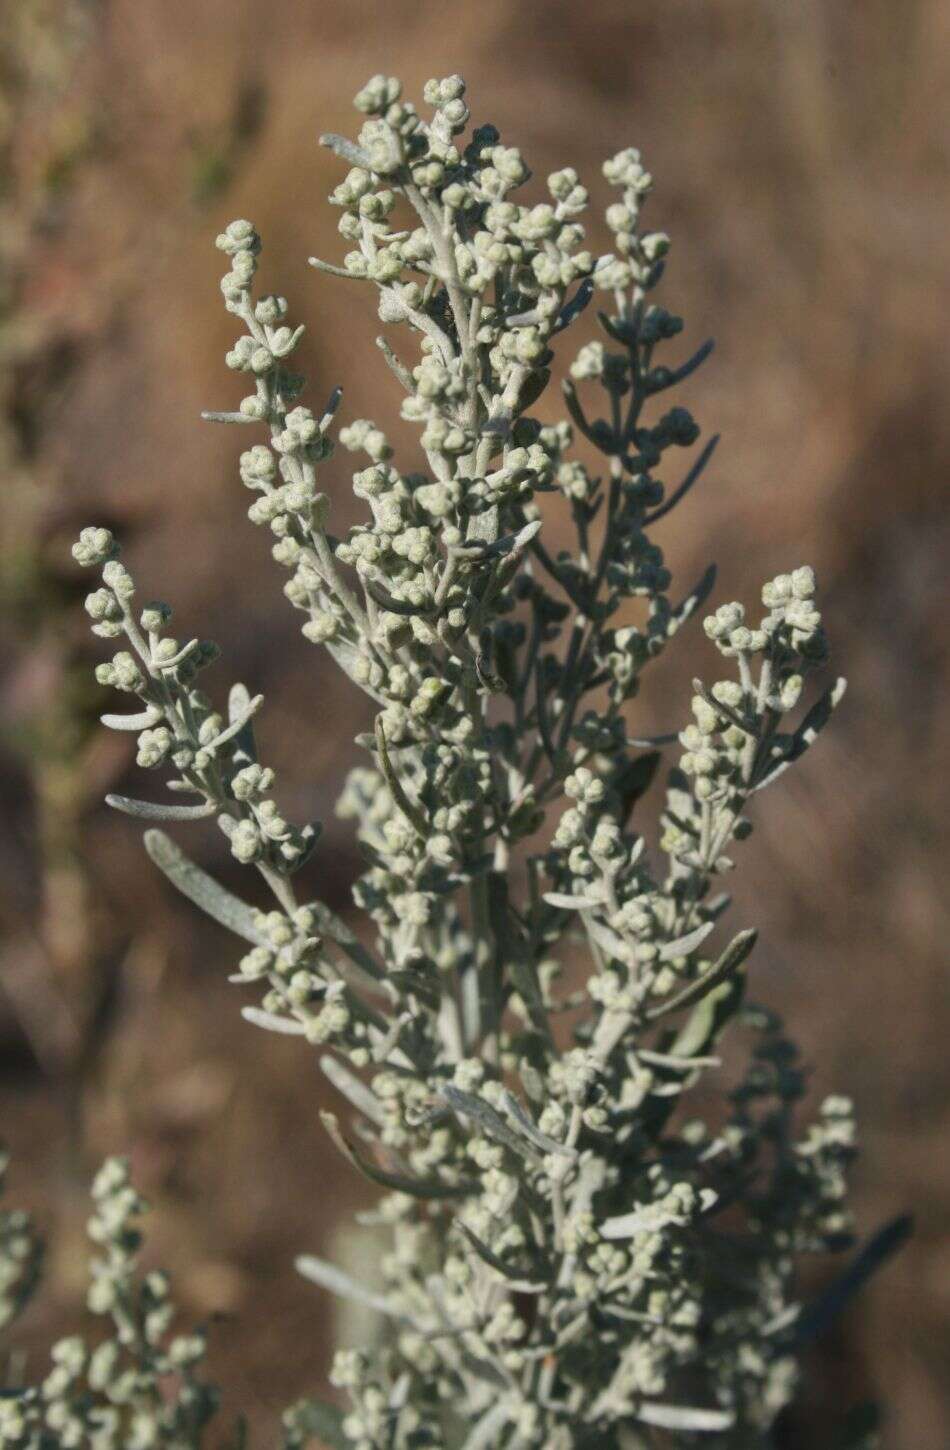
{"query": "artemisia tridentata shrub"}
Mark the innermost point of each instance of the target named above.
(544, 977)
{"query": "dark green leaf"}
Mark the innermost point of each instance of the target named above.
(398, 1182)
(634, 780)
(730, 961)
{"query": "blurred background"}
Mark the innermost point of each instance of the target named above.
(802, 155)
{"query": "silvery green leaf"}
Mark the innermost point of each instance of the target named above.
(157, 811)
(362, 1097)
(342, 936)
(328, 1276)
(287, 1026)
(484, 1435)
(240, 714)
(346, 656)
(686, 944)
(211, 417)
(627, 1225)
(483, 527)
(144, 720)
(683, 1417)
(610, 941)
(347, 149)
(676, 1064)
(487, 1118)
(185, 653)
(527, 1126)
(565, 902)
(523, 319)
(239, 706)
(471, 1006)
(202, 889)
(512, 545)
(320, 266)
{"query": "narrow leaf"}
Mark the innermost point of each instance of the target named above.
(807, 732)
(239, 705)
(691, 364)
(362, 1097)
(399, 1182)
(708, 1018)
(202, 889)
(564, 902)
(482, 1113)
(409, 808)
(610, 941)
(683, 1417)
(534, 385)
(693, 601)
(394, 606)
(329, 268)
(494, 1262)
(730, 961)
(328, 1276)
(490, 1425)
(347, 656)
(240, 716)
(348, 150)
(342, 936)
(210, 417)
(287, 1026)
(157, 811)
(142, 721)
(686, 944)
(510, 544)
(186, 651)
(527, 1126)
(575, 307)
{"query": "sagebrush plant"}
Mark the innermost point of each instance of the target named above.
(575, 1260)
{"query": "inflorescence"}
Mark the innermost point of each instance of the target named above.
(575, 1260)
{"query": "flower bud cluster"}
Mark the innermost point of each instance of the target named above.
(139, 1387)
(179, 726)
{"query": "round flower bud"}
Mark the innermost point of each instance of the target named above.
(94, 546)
